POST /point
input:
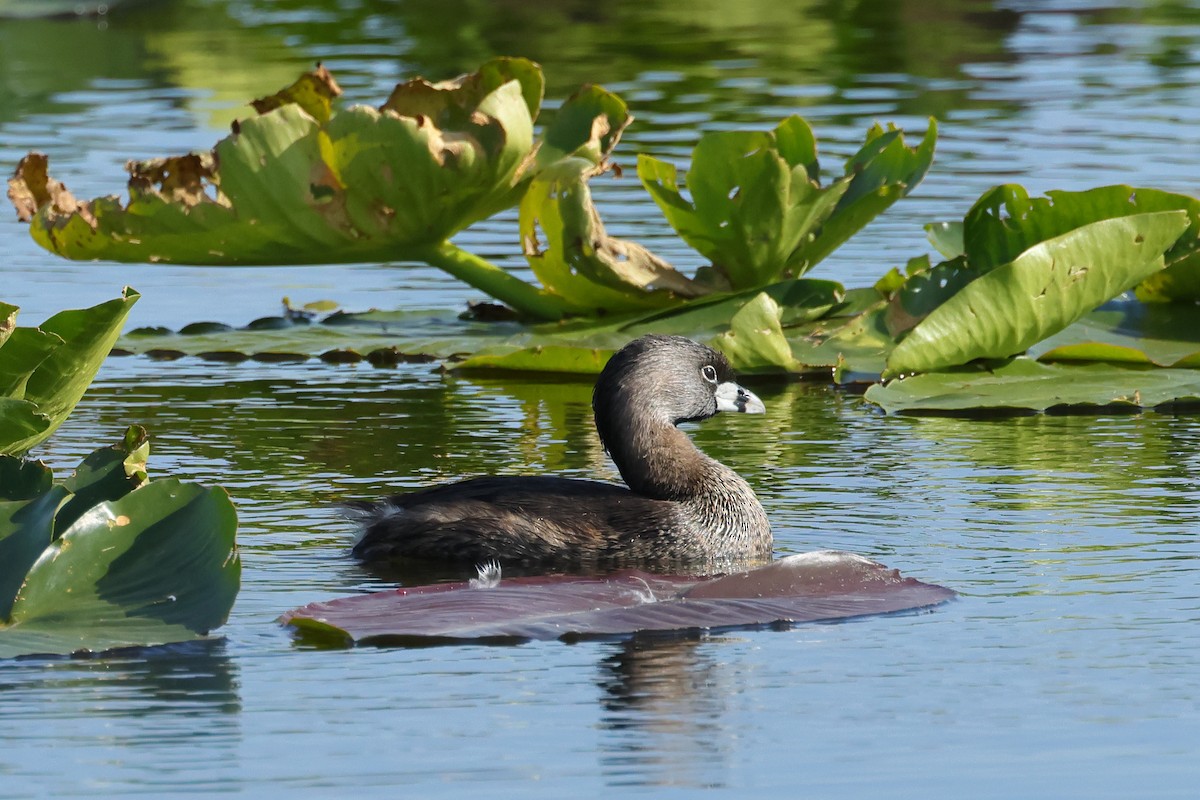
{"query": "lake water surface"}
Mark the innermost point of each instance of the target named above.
(1067, 667)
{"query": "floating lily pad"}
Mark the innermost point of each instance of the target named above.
(804, 588)
(1160, 334)
(1028, 386)
(558, 359)
(856, 347)
(157, 566)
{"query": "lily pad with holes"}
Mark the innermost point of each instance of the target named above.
(1042, 291)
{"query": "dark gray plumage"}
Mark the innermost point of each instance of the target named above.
(681, 506)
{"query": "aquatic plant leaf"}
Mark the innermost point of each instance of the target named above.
(1043, 290)
(757, 210)
(21, 425)
(1006, 222)
(313, 91)
(923, 289)
(159, 565)
(1158, 334)
(389, 337)
(23, 480)
(576, 259)
(855, 347)
(20, 357)
(290, 188)
(434, 334)
(26, 529)
(45, 372)
(109, 473)
(1025, 385)
(562, 235)
(755, 340)
(560, 359)
(804, 588)
(800, 300)
(884, 170)
(8, 321)
(946, 238)
(586, 127)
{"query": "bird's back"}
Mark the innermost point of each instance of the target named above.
(525, 520)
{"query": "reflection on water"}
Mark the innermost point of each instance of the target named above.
(166, 703)
(1067, 668)
(665, 702)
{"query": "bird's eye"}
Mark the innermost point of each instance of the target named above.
(709, 373)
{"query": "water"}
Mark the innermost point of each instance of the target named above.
(1065, 669)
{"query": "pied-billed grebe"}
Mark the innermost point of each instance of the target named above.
(681, 506)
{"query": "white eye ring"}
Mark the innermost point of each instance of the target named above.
(709, 373)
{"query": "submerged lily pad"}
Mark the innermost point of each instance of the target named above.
(804, 588)
(391, 336)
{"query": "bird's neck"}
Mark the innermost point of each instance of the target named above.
(658, 460)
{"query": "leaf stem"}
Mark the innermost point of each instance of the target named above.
(487, 277)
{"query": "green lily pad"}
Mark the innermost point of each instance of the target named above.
(1042, 291)
(1006, 222)
(755, 340)
(559, 359)
(946, 238)
(855, 348)
(444, 336)
(105, 559)
(1165, 335)
(159, 565)
(107, 474)
(26, 530)
(799, 300)
(21, 425)
(300, 184)
(1028, 386)
(23, 480)
(44, 372)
